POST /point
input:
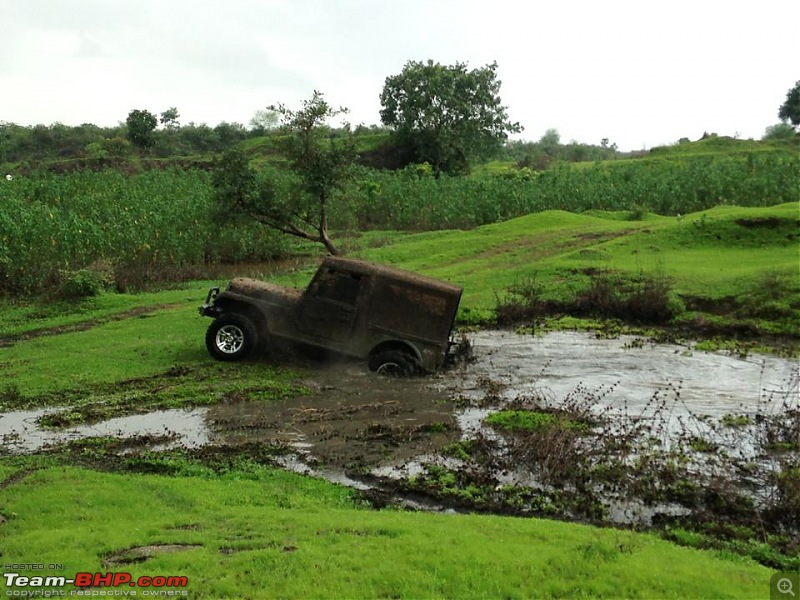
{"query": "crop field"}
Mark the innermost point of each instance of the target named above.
(152, 226)
(162, 225)
(665, 186)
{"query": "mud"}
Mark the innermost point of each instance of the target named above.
(424, 443)
(139, 554)
(355, 418)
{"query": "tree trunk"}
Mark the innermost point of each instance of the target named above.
(329, 245)
(323, 227)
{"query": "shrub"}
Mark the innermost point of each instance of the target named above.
(82, 283)
(522, 303)
(788, 481)
(646, 299)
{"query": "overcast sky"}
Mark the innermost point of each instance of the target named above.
(640, 72)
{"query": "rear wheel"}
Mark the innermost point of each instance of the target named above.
(394, 363)
(231, 337)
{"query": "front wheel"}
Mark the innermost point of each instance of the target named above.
(231, 337)
(394, 363)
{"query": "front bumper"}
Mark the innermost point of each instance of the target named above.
(209, 309)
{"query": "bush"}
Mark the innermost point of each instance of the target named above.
(648, 298)
(522, 303)
(789, 492)
(82, 283)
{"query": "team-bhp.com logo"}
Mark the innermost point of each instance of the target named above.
(84, 581)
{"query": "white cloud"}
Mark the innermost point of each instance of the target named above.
(639, 73)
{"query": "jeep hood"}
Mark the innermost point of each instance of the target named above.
(269, 292)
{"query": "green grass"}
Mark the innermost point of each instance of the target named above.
(269, 534)
(116, 351)
(21, 316)
(152, 361)
(532, 420)
(253, 531)
(708, 254)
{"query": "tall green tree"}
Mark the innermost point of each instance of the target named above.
(445, 115)
(790, 110)
(141, 127)
(295, 201)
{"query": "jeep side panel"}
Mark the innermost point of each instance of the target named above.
(330, 307)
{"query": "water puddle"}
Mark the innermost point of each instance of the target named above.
(354, 414)
(19, 432)
(357, 428)
(630, 370)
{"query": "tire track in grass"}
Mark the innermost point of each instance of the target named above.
(140, 311)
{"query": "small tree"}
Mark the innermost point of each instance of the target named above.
(294, 201)
(446, 114)
(141, 125)
(169, 118)
(264, 121)
(779, 131)
(790, 110)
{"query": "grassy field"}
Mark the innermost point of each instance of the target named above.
(254, 532)
(730, 268)
(710, 252)
(237, 527)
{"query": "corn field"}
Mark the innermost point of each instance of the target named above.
(408, 200)
(142, 227)
(158, 225)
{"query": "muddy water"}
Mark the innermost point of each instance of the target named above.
(628, 371)
(355, 419)
(19, 430)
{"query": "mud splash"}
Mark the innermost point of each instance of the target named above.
(354, 419)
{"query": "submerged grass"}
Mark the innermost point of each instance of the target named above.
(533, 420)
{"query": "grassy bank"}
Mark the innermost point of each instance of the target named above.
(256, 532)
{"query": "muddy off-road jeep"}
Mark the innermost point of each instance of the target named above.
(400, 322)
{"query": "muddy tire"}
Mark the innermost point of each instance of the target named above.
(231, 337)
(394, 363)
